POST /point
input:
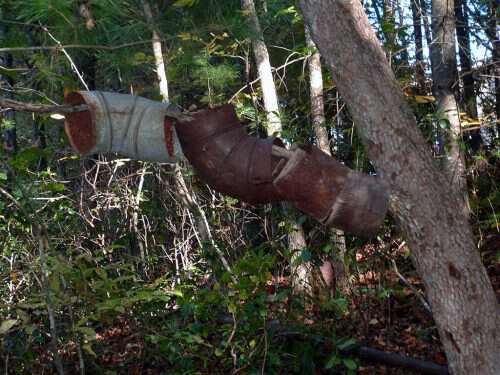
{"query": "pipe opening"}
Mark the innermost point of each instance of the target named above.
(80, 126)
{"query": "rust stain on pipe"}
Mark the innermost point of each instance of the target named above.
(243, 166)
(80, 126)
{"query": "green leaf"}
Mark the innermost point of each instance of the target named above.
(350, 364)
(332, 362)
(89, 333)
(7, 325)
(27, 158)
(89, 350)
(347, 343)
(184, 3)
(3, 176)
(54, 187)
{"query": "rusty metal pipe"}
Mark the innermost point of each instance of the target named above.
(262, 170)
(228, 159)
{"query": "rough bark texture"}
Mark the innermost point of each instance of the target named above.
(300, 270)
(423, 204)
(264, 68)
(444, 67)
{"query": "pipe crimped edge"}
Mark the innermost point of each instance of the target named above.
(226, 157)
(332, 193)
(129, 125)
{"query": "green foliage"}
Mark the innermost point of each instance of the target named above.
(124, 264)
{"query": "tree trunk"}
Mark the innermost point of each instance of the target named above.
(296, 239)
(264, 68)
(416, 11)
(424, 8)
(39, 140)
(468, 98)
(464, 52)
(444, 66)
(389, 24)
(492, 32)
(8, 117)
(188, 199)
(300, 270)
(161, 72)
(318, 122)
(424, 206)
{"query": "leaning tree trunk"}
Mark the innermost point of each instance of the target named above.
(424, 206)
(444, 67)
(296, 238)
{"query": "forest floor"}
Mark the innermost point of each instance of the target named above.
(387, 311)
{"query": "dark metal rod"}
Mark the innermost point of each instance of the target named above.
(396, 360)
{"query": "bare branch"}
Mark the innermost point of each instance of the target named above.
(80, 46)
(41, 108)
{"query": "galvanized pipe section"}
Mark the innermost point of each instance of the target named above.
(125, 124)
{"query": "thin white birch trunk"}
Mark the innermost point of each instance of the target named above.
(262, 60)
(296, 239)
(186, 197)
(318, 122)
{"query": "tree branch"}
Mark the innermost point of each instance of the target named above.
(41, 108)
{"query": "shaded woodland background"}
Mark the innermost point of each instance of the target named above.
(113, 266)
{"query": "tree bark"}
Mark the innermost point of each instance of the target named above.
(444, 67)
(424, 206)
(316, 94)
